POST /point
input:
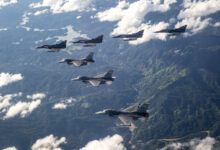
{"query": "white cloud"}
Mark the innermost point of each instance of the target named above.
(40, 12)
(108, 143)
(6, 78)
(60, 6)
(5, 100)
(36, 96)
(22, 109)
(38, 30)
(3, 29)
(130, 17)
(217, 24)
(49, 143)
(10, 148)
(64, 103)
(7, 2)
(59, 106)
(70, 35)
(25, 18)
(194, 144)
(194, 13)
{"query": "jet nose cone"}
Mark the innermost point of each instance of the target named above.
(75, 79)
(100, 113)
(62, 61)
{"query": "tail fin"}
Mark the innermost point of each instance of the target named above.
(141, 32)
(143, 108)
(90, 56)
(183, 28)
(109, 73)
(99, 39)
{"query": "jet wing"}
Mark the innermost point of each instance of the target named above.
(95, 82)
(106, 74)
(54, 50)
(127, 121)
(132, 108)
(77, 63)
(130, 39)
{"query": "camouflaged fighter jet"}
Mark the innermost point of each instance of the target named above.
(55, 47)
(130, 37)
(127, 115)
(173, 32)
(104, 78)
(88, 60)
(90, 42)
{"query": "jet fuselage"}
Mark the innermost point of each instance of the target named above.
(115, 113)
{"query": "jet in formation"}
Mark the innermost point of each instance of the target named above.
(127, 115)
(90, 42)
(104, 78)
(173, 32)
(55, 47)
(88, 60)
(130, 37)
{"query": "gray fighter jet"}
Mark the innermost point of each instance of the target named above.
(130, 37)
(88, 60)
(91, 42)
(173, 32)
(104, 78)
(55, 47)
(134, 112)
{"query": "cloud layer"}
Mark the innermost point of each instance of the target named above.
(49, 143)
(7, 2)
(60, 6)
(108, 143)
(130, 18)
(194, 14)
(6, 78)
(195, 144)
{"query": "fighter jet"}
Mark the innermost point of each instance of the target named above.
(91, 42)
(127, 115)
(55, 47)
(173, 32)
(88, 60)
(104, 78)
(130, 37)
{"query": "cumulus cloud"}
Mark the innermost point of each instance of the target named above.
(195, 14)
(5, 100)
(10, 148)
(22, 109)
(195, 144)
(60, 6)
(36, 96)
(7, 2)
(59, 106)
(130, 18)
(6, 78)
(64, 103)
(49, 143)
(40, 12)
(108, 143)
